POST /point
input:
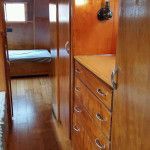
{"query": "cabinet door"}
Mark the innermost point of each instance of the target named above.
(64, 63)
(131, 111)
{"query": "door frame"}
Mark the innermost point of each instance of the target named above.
(6, 66)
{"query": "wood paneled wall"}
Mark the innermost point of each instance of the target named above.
(89, 35)
(35, 32)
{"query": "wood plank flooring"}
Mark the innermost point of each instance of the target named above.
(34, 128)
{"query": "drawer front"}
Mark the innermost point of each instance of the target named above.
(101, 90)
(100, 114)
(98, 140)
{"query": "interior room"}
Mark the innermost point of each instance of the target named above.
(74, 75)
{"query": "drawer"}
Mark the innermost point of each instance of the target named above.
(98, 140)
(98, 87)
(101, 115)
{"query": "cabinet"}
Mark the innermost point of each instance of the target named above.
(92, 111)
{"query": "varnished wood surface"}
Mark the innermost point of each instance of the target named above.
(131, 116)
(102, 90)
(33, 124)
(89, 35)
(64, 62)
(30, 68)
(91, 111)
(5, 84)
(2, 64)
(21, 37)
(93, 105)
(33, 34)
(101, 65)
(55, 62)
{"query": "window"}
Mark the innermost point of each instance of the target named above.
(15, 12)
(52, 12)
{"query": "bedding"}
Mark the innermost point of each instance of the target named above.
(29, 55)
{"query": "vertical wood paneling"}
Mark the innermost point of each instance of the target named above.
(42, 31)
(55, 61)
(89, 35)
(35, 32)
(64, 62)
(131, 114)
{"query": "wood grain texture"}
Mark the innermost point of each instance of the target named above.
(22, 36)
(102, 90)
(89, 35)
(5, 84)
(41, 22)
(131, 117)
(35, 32)
(33, 124)
(30, 69)
(2, 44)
(92, 104)
(55, 62)
(91, 111)
(101, 65)
(64, 62)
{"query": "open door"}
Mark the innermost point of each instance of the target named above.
(64, 62)
(3, 37)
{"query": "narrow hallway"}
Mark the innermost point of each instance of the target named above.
(34, 127)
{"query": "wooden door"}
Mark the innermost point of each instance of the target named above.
(131, 114)
(64, 62)
(4, 54)
(53, 12)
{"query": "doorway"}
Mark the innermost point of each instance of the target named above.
(33, 125)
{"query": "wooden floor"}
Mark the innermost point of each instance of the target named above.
(34, 128)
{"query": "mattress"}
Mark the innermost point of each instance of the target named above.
(41, 55)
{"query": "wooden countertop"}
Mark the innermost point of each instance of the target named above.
(101, 65)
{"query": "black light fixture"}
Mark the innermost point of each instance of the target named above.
(105, 13)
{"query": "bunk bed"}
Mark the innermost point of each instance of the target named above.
(29, 62)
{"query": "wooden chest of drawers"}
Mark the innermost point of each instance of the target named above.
(92, 111)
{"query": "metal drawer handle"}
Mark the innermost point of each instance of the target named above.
(77, 89)
(77, 109)
(76, 129)
(77, 71)
(99, 91)
(100, 117)
(99, 145)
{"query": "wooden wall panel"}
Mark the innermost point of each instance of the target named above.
(35, 32)
(89, 35)
(42, 31)
(21, 37)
